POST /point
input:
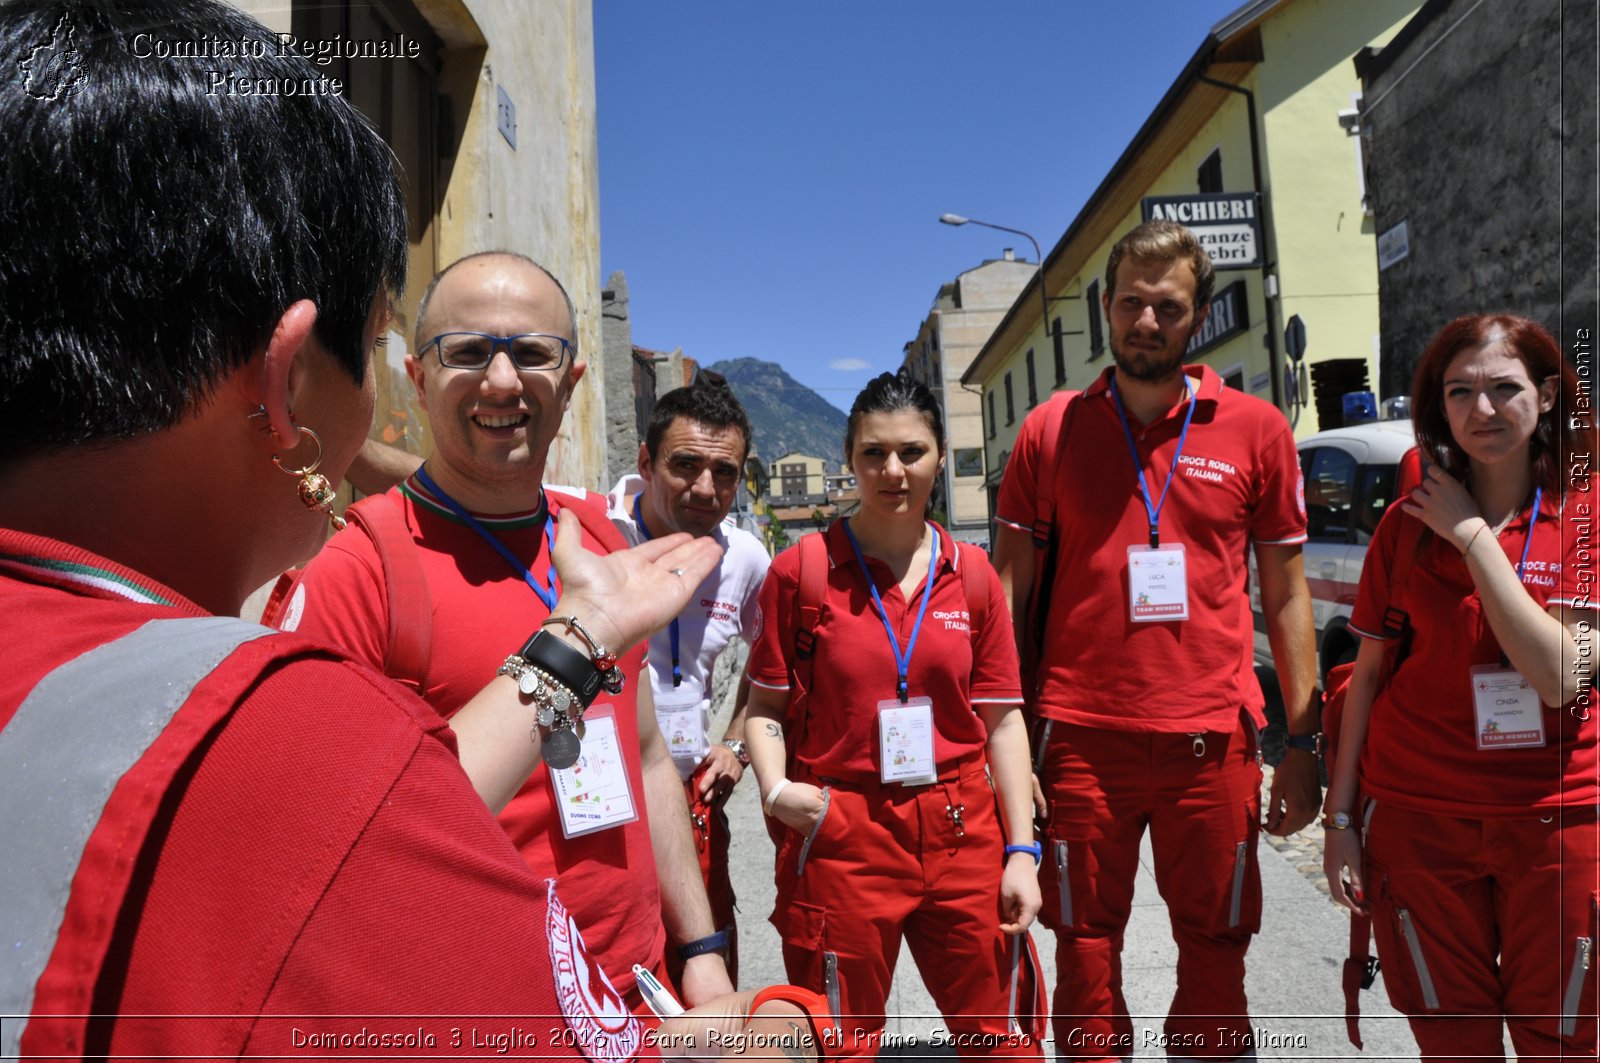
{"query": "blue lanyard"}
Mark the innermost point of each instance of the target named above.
(1153, 510)
(902, 661)
(672, 629)
(547, 594)
(1527, 542)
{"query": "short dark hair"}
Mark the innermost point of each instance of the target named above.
(889, 393)
(419, 339)
(155, 229)
(708, 400)
(1555, 439)
(1161, 240)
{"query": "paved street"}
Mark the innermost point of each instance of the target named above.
(1293, 979)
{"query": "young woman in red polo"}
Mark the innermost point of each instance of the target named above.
(884, 698)
(1473, 839)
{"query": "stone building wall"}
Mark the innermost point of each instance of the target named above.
(1478, 124)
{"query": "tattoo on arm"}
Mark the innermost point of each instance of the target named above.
(774, 731)
(796, 1044)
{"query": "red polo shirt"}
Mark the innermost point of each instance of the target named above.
(298, 850)
(1238, 480)
(482, 611)
(854, 666)
(1421, 749)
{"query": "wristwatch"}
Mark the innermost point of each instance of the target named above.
(1337, 821)
(740, 753)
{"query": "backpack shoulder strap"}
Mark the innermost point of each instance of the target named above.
(813, 590)
(410, 605)
(973, 562)
(1061, 409)
(1408, 545)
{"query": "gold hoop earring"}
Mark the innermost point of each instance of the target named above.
(316, 492)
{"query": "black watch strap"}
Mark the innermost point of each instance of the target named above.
(570, 666)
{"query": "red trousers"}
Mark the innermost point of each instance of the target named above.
(1200, 796)
(709, 818)
(1488, 922)
(923, 862)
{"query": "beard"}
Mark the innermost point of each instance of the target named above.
(1149, 367)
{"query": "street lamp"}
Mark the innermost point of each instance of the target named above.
(1044, 300)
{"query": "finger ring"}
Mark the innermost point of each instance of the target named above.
(676, 571)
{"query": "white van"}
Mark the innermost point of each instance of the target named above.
(1350, 479)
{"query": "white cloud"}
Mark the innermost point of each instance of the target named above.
(848, 365)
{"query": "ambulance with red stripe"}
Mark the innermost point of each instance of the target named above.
(1351, 476)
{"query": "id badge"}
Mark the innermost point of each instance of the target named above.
(593, 794)
(681, 714)
(905, 741)
(1508, 710)
(1158, 584)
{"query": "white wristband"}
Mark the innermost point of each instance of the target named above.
(772, 795)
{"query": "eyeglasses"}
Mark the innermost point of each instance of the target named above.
(475, 350)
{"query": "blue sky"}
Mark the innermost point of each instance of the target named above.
(771, 174)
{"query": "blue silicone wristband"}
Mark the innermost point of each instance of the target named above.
(1035, 850)
(710, 943)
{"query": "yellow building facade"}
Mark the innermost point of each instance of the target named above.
(1277, 132)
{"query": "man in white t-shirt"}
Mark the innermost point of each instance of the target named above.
(690, 465)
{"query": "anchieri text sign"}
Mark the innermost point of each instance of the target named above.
(1227, 224)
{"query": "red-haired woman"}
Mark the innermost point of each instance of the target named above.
(1475, 842)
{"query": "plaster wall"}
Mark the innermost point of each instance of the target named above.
(540, 198)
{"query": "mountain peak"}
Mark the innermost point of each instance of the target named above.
(785, 415)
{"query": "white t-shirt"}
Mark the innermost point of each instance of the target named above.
(723, 606)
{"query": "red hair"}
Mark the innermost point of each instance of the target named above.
(1555, 437)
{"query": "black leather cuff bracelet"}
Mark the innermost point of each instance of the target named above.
(567, 665)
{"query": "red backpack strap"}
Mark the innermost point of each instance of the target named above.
(1057, 426)
(813, 591)
(974, 582)
(1061, 409)
(410, 604)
